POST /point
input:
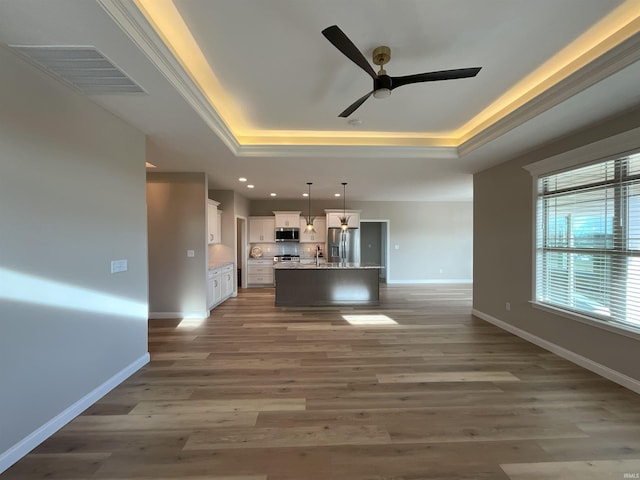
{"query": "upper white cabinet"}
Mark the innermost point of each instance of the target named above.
(333, 218)
(320, 235)
(287, 219)
(214, 217)
(262, 230)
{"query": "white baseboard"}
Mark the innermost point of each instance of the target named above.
(602, 370)
(434, 282)
(35, 438)
(165, 315)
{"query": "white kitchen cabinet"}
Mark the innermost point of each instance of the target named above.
(262, 230)
(227, 281)
(287, 219)
(214, 217)
(333, 218)
(219, 284)
(260, 273)
(217, 289)
(214, 288)
(320, 235)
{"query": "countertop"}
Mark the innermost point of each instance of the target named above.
(213, 266)
(323, 266)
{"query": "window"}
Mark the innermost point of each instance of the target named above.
(588, 241)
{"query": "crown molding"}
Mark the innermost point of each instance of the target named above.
(347, 151)
(133, 22)
(612, 61)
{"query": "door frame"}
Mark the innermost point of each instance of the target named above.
(386, 254)
(241, 238)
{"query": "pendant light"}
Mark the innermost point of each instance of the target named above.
(310, 228)
(344, 220)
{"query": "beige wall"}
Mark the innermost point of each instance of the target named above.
(434, 239)
(503, 265)
(176, 204)
(72, 200)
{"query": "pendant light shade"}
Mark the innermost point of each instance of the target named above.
(344, 220)
(309, 228)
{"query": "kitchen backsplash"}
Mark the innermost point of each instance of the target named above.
(269, 250)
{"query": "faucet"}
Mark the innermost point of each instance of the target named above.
(317, 255)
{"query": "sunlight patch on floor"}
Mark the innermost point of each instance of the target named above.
(191, 322)
(367, 319)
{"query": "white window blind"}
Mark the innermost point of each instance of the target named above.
(588, 241)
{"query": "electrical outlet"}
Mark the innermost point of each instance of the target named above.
(507, 306)
(191, 253)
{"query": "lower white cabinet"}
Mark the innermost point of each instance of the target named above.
(260, 273)
(214, 287)
(219, 284)
(227, 281)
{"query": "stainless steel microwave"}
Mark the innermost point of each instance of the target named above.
(287, 234)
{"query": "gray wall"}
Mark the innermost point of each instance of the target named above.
(434, 239)
(503, 265)
(176, 204)
(242, 205)
(71, 200)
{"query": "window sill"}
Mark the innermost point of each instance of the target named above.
(617, 328)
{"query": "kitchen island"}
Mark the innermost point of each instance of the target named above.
(299, 284)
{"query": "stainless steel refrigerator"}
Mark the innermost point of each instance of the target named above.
(343, 245)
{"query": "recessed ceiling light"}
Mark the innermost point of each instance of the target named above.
(250, 186)
(305, 194)
(273, 194)
(242, 179)
(336, 194)
(149, 165)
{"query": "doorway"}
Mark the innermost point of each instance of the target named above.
(241, 252)
(374, 244)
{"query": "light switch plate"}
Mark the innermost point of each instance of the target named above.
(118, 266)
(191, 253)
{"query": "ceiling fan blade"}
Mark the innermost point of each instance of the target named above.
(355, 105)
(434, 76)
(346, 46)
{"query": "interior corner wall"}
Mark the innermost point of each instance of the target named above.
(176, 206)
(227, 206)
(503, 257)
(72, 199)
(242, 205)
(225, 250)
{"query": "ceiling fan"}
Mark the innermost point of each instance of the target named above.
(383, 83)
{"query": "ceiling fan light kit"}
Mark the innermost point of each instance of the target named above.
(383, 84)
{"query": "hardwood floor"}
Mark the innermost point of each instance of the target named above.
(264, 393)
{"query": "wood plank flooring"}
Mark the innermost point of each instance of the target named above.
(264, 393)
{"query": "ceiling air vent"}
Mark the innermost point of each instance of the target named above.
(84, 68)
